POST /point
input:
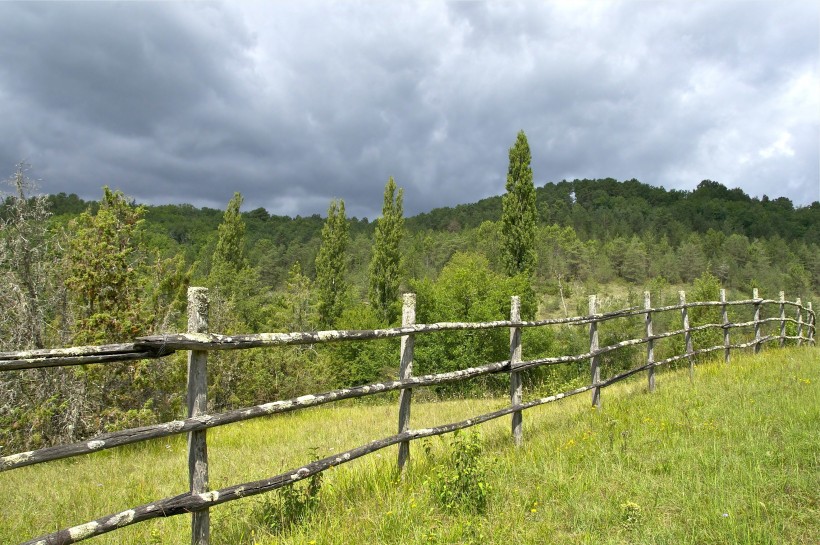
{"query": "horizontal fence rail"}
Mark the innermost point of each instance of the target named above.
(198, 499)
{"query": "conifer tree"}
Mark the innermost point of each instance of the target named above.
(103, 262)
(230, 247)
(331, 265)
(518, 211)
(385, 265)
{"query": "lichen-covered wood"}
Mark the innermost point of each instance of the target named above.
(650, 344)
(594, 360)
(408, 317)
(687, 333)
(516, 384)
(197, 406)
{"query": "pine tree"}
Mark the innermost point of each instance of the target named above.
(518, 211)
(331, 265)
(385, 265)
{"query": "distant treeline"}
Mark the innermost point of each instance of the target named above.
(636, 231)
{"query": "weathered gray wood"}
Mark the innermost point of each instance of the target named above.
(408, 317)
(812, 323)
(516, 386)
(650, 344)
(725, 317)
(79, 355)
(595, 360)
(756, 298)
(135, 435)
(687, 333)
(782, 319)
(799, 322)
(159, 346)
(214, 341)
(197, 405)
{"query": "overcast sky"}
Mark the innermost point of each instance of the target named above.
(296, 103)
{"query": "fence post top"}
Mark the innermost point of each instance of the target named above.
(755, 293)
(723, 295)
(682, 296)
(782, 296)
(409, 298)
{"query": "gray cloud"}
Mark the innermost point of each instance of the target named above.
(295, 104)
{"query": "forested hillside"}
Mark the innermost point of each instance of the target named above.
(78, 272)
(656, 231)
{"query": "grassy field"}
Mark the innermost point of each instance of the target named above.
(732, 459)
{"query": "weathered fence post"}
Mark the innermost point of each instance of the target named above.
(197, 405)
(782, 319)
(516, 387)
(725, 317)
(756, 297)
(595, 360)
(812, 325)
(650, 344)
(799, 321)
(687, 335)
(408, 317)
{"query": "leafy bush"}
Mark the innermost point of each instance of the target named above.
(462, 485)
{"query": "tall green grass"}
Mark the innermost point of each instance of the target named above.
(733, 458)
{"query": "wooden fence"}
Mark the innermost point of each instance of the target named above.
(198, 499)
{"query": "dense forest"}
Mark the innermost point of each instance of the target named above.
(79, 272)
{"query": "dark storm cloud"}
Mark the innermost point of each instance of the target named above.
(295, 104)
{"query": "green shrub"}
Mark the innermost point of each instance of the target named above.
(462, 485)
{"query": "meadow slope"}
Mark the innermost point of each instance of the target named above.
(733, 458)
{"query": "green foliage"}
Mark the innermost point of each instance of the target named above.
(295, 308)
(705, 288)
(292, 505)
(230, 247)
(462, 485)
(331, 265)
(363, 362)
(103, 262)
(518, 211)
(467, 291)
(385, 264)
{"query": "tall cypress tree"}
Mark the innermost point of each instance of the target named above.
(518, 211)
(385, 265)
(331, 265)
(230, 247)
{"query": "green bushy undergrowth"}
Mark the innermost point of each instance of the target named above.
(461, 484)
